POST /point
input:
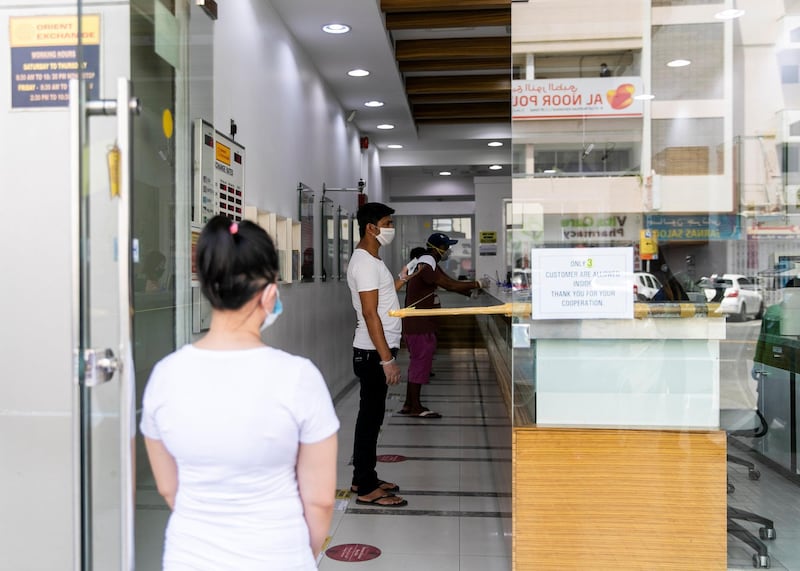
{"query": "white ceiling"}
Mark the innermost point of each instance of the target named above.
(431, 148)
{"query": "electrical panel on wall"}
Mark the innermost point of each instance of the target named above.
(218, 175)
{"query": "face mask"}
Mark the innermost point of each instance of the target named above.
(386, 236)
(443, 254)
(276, 311)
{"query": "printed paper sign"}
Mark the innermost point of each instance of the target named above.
(582, 283)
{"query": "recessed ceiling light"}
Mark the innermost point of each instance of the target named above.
(358, 73)
(550, 171)
(373, 104)
(678, 63)
(645, 97)
(731, 14)
(495, 167)
(335, 28)
(385, 126)
(394, 146)
(495, 144)
(445, 173)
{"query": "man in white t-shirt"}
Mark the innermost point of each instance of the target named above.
(373, 289)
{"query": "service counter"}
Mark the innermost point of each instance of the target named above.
(618, 462)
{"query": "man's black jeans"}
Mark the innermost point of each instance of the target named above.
(371, 409)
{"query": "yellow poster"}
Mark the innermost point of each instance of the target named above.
(648, 245)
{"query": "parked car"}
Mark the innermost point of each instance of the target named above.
(736, 294)
(645, 286)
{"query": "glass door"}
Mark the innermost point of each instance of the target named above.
(130, 138)
(103, 398)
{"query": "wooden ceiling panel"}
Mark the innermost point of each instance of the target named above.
(465, 111)
(453, 48)
(485, 97)
(459, 84)
(443, 20)
(483, 64)
(472, 82)
(389, 6)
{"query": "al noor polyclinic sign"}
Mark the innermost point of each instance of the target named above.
(576, 97)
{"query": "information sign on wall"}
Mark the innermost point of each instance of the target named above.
(488, 244)
(576, 97)
(44, 57)
(582, 283)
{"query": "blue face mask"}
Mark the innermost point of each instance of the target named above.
(276, 311)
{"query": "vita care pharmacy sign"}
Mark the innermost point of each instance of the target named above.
(576, 97)
(582, 283)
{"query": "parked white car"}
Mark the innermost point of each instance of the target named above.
(737, 295)
(645, 286)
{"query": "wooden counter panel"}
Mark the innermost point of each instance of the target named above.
(619, 499)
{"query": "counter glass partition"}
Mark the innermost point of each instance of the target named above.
(652, 263)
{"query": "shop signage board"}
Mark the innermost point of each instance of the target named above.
(576, 97)
(582, 283)
(44, 57)
(594, 228)
(694, 227)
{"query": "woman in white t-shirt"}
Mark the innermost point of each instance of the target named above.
(241, 437)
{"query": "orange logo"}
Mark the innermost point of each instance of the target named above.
(621, 97)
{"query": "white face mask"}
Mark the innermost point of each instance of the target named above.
(386, 236)
(276, 311)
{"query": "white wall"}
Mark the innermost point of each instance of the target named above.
(289, 121)
(489, 195)
(294, 130)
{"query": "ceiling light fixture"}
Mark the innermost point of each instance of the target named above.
(445, 173)
(373, 104)
(550, 171)
(335, 28)
(495, 167)
(394, 146)
(358, 73)
(731, 14)
(385, 126)
(679, 63)
(494, 144)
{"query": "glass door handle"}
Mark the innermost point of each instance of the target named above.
(100, 366)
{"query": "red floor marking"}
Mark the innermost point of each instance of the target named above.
(353, 552)
(391, 458)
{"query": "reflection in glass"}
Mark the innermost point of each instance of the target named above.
(328, 238)
(306, 234)
(345, 241)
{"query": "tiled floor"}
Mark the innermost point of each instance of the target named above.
(456, 476)
(774, 497)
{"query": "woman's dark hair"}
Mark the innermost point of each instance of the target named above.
(417, 252)
(371, 213)
(234, 261)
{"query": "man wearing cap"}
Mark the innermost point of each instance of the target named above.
(420, 332)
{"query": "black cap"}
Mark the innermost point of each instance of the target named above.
(441, 241)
